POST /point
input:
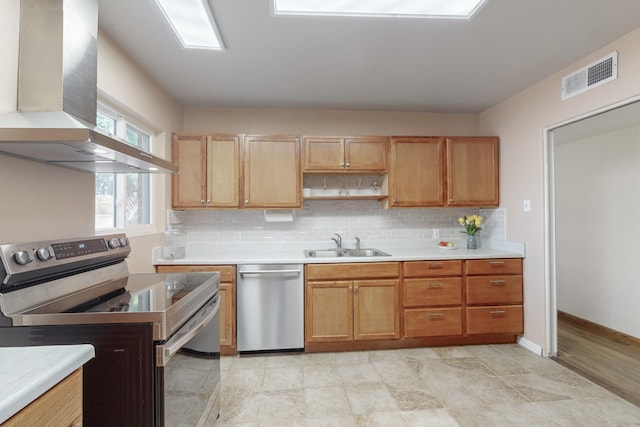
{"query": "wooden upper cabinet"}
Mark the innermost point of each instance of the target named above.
(209, 171)
(416, 173)
(352, 154)
(472, 171)
(272, 172)
(188, 189)
(224, 171)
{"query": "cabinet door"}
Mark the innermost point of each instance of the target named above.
(416, 174)
(323, 154)
(376, 309)
(188, 189)
(272, 172)
(227, 315)
(329, 311)
(366, 154)
(223, 171)
(472, 171)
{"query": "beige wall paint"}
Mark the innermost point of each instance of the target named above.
(37, 201)
(122, 83)
(327, 122)
(520, 121)
(48, 202)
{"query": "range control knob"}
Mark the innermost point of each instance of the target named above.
(124, 242)
(114, 243)
(22, 257)
(43, 254)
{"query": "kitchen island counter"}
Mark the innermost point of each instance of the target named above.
(28, 372)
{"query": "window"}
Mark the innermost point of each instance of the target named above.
(123, 200)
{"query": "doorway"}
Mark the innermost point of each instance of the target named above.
(594, 203)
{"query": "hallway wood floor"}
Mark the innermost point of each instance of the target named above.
(606, 357)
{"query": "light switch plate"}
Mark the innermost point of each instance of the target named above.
(526, 205)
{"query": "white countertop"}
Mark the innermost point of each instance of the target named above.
(28, 372)
(291, 252)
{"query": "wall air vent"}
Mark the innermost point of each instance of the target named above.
(594, 74)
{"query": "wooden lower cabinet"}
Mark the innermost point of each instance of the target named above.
(494, 296)
(354, 309)
(432, 298)
(61, 406)
(227, 302)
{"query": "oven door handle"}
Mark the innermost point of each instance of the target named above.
(165, 352)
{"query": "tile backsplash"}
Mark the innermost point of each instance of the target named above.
(319, 219)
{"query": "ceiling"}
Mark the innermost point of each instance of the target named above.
(368, 63)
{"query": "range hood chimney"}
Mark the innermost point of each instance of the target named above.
(55, 121)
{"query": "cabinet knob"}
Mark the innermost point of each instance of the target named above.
(202, 201)
(348, 164)
(208, 201)
(246, 201)
(342, 164)
(450, 200)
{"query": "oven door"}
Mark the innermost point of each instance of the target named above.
(188, 371)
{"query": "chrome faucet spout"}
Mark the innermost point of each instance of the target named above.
(357, 243)
(338, 240)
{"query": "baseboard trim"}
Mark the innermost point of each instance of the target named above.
(529, 345)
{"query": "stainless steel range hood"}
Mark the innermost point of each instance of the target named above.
(55, 121)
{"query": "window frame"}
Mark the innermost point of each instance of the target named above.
(122, 121)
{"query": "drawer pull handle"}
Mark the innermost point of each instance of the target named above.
(435, 314)
(435, 265)
(435, 285)
(496, 262)
(497, 312)
(497, 282)
(195, 270)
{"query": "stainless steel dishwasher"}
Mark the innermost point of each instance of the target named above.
(270, 307)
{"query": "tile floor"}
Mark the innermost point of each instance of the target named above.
(496, 385)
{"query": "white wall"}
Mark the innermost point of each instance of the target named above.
(597, 210)
(519, 121)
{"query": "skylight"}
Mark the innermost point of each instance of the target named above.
(192, 22)
(448, 9)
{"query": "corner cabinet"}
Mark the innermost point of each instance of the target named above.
(472, 171)
(209, 172)
(416, 172)
(272, 172)
(345, 154)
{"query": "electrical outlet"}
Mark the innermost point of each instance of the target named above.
(436, 233)
(526, 205)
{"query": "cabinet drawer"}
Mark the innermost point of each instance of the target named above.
(365, 270)
(493, 266)
(432, 322)
(494, 290)
(432, 268)
(495, 320)
(432, 292)
(227, 272)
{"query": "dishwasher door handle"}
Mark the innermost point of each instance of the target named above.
(270, 272)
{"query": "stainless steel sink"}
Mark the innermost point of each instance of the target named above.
(365, 252)
(324, 253)
(332, 253)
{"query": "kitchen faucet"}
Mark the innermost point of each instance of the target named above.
(338, 240)
(357, 243)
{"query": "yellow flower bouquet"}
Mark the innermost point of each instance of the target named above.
(471, 224)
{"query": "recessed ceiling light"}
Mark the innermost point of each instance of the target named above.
(449, 9)
(192, 21)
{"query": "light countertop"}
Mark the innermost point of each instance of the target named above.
(291, 252)
(27, 372)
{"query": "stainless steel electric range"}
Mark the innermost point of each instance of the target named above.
(146, 372)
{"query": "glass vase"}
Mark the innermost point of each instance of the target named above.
(472, 242)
